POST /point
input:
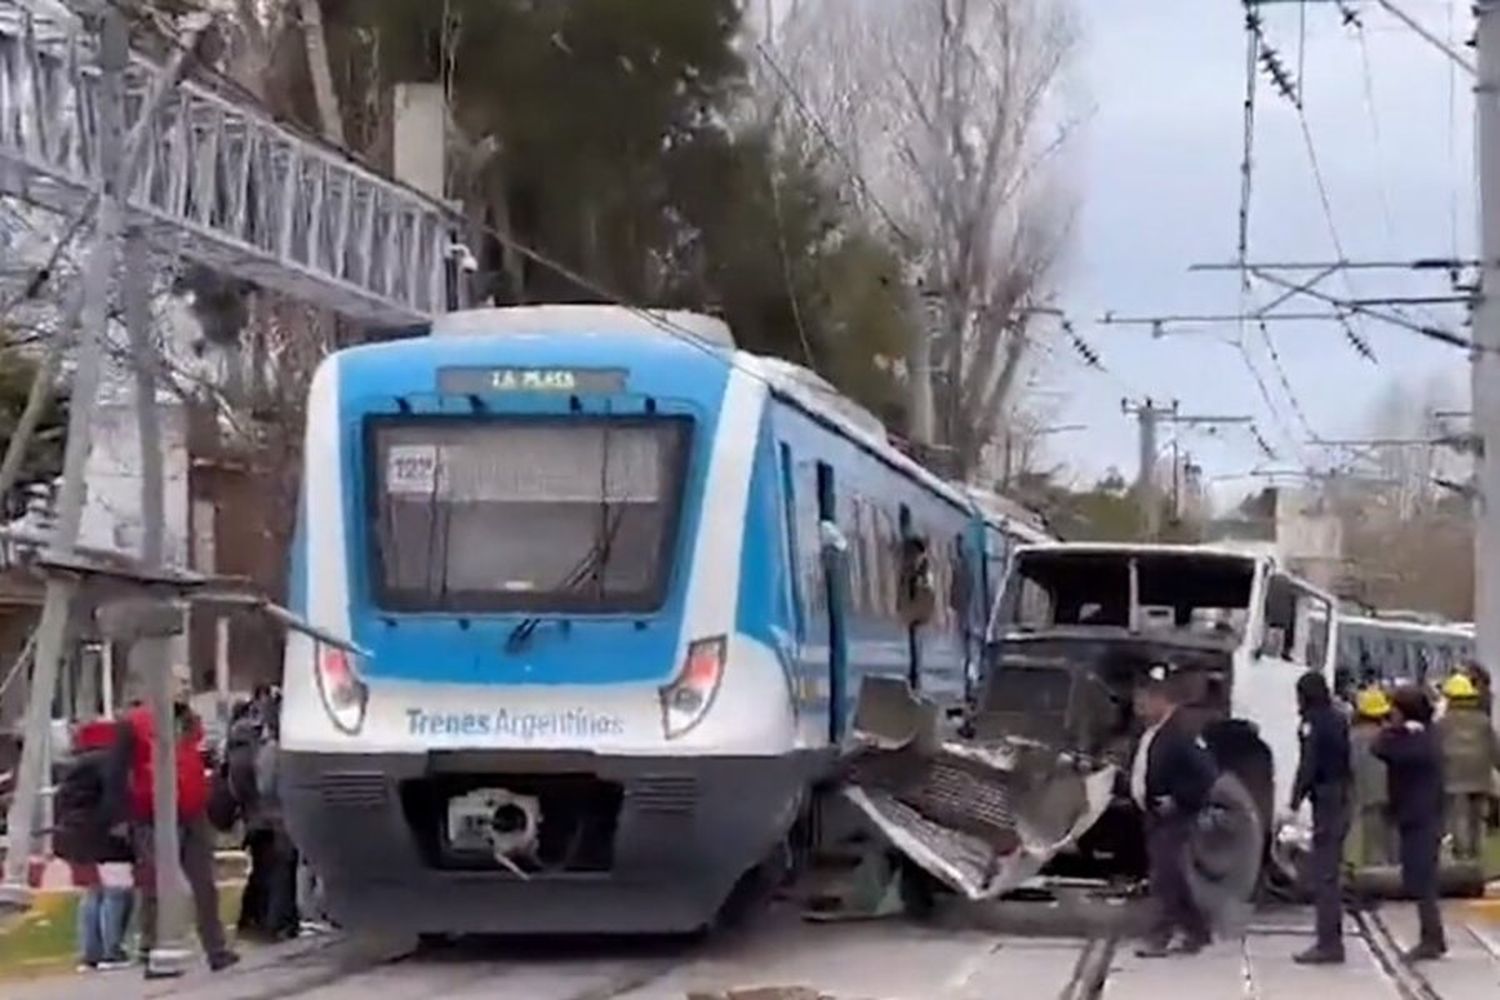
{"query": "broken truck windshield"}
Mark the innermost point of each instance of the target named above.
(1207, 594)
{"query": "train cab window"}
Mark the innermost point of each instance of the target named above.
(590, 504)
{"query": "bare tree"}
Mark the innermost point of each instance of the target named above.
(1408, 537)
(946, 115)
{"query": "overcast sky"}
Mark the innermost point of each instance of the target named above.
(1157, 167)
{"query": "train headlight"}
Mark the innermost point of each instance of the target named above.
(686, 700)
(345, 695)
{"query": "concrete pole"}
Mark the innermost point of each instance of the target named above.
(1145, 479)
(114, 52)
(118, 155)
(149, 656)
(919, 408)
(221, 666)
(1485, 371)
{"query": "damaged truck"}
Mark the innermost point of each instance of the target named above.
(1024, 792)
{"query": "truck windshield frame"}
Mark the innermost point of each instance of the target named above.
(546, 530)
(1134, 591)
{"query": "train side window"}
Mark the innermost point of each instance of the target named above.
(814, 596)
(963, 584)
(827, 509)
(886, 544)
(857, 567)
(869, 541)
(789, 527)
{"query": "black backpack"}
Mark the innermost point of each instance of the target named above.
(81, 831)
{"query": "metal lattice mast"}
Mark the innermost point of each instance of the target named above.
(220, 182)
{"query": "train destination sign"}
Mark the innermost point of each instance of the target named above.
(477, 381)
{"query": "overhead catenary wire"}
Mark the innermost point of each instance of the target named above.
(789, 87)
(1258, 56)
(1428, 36)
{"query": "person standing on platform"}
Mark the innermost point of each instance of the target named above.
(1170, 779)
(1369, 842)
(1414, 768)
(1471, 757)
(1323, 778)
(130, 790)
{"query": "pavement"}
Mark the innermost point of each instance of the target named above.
(784, 957)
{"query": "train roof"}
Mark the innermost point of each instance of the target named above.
(546, 319)
(796, 385)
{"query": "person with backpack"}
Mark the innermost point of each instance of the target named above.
(99, 859)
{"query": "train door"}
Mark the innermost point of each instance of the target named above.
(836, 555)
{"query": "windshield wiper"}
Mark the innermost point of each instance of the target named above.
(590, 566)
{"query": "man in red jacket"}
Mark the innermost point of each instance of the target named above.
(132, 777)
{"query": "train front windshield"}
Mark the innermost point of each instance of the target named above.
(525, 514)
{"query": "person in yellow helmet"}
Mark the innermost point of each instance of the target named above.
(1471, 754)
(1369, 842)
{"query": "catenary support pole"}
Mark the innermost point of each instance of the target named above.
(1145, 480)
(51, 631)
(149, 655)
(1485, 371)
(118, 157)
(919, 405)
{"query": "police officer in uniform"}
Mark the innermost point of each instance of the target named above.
(1369, 843)
(1414, 770)
(1471, 756)
(1170, 779)
(1323, 777)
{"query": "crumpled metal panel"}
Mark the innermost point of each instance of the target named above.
(981, 817)
(947, 789)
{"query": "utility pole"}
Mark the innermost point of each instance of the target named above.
(149, 654)
(118, 156)
(919, 406)
(1148, 416)
(1485, 368)
(51, 631)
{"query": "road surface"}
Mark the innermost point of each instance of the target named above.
(878, 960)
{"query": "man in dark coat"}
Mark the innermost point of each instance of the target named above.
(269, 905)
(1323, 777)
(1414, 768)
(1170, 779)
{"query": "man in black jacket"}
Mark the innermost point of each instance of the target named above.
(1323, 777)
(1414, 770)
(1170, 779)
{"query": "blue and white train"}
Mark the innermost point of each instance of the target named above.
(616, 584)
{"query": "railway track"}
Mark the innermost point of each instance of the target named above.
(1091, 972)
(1406, 978)
(789, 959)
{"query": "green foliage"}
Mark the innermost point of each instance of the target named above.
(44, 457)
(617, 154)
